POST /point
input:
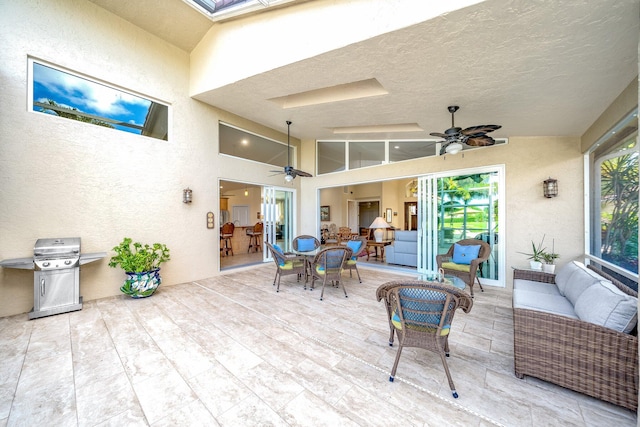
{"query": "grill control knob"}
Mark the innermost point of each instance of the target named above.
(45, 264)
(67, 262)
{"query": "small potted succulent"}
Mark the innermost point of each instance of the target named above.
(141, 264)
(549, 259)
(536, 256)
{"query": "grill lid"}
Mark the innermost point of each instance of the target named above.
(54, 248)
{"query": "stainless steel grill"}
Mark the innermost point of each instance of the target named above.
(56, 277)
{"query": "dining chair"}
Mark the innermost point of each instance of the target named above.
(463, 258)
(358, 246)
(286, 264)
(328, 265)
(305, 243)
(421, 314)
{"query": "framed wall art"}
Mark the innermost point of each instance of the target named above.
(325, 213)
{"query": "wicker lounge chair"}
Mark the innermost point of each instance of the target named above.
(421, 314)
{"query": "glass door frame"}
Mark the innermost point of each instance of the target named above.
(428, 220)
(269, 212)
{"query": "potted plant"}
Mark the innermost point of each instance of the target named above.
(536, 255)
(549, 259)
(141, 264)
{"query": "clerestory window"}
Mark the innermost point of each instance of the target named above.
(67, 95)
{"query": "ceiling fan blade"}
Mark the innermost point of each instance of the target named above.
(479, 130)
(443, 149)
(439, 135)
(301, 173)
(480, 141)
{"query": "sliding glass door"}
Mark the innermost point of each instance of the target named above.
(457, 206)
(277, 208)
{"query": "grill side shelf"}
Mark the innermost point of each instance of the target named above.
(19, 263)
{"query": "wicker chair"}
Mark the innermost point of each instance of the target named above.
(286, 264)
(328, 265)
(466, 272)
(297, 239)
(344, 234)
(421, 314)
(351, 263)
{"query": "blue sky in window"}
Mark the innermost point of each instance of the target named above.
(88, 97)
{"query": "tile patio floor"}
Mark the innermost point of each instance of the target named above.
(230, 351)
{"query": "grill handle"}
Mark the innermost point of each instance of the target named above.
(43, 287)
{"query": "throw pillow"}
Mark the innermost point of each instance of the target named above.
(280, 260)
(306, 245)
(354, 245)
(464, 254)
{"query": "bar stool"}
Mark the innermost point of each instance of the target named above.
(255, 237)
(226, 233)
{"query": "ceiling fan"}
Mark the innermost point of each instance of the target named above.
(289, 172)
(475, 136)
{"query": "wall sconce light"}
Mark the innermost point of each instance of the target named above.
(187, 195)
(550, 187)
(246, 192)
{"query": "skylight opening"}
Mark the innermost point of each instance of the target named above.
(223, 9)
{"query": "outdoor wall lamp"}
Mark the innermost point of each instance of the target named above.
(550, 187)
(187, 195)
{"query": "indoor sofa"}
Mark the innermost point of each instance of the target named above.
(404, 249)
(577, 329)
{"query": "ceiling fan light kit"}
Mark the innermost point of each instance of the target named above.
(455, 137)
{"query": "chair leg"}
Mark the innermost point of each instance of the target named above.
(278, 287)
(446, 370)
(343, 288)
(358, 273)
(395, 364)
(479, 284)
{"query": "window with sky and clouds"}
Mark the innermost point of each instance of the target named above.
(67, 95)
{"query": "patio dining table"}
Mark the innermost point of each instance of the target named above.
(308, 256)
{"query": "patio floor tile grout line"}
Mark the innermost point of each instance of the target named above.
(330, 347)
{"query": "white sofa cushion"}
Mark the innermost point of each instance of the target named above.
(564, 274)
(581, 279)
(533, 286)
(606, 305)
(548, 303)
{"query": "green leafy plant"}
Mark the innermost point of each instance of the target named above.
(136, 257)
(537, 252)
(550, 257)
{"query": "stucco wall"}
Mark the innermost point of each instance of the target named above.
(529, 215)
(62, 178)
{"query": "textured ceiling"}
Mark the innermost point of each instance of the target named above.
(536, 68)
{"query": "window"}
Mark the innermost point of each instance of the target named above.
(407, 150)
(365, 153)
(64, 94)
(245, 145)
(614, 197)
(332, 155)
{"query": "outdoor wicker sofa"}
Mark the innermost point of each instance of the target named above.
(573, 353)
